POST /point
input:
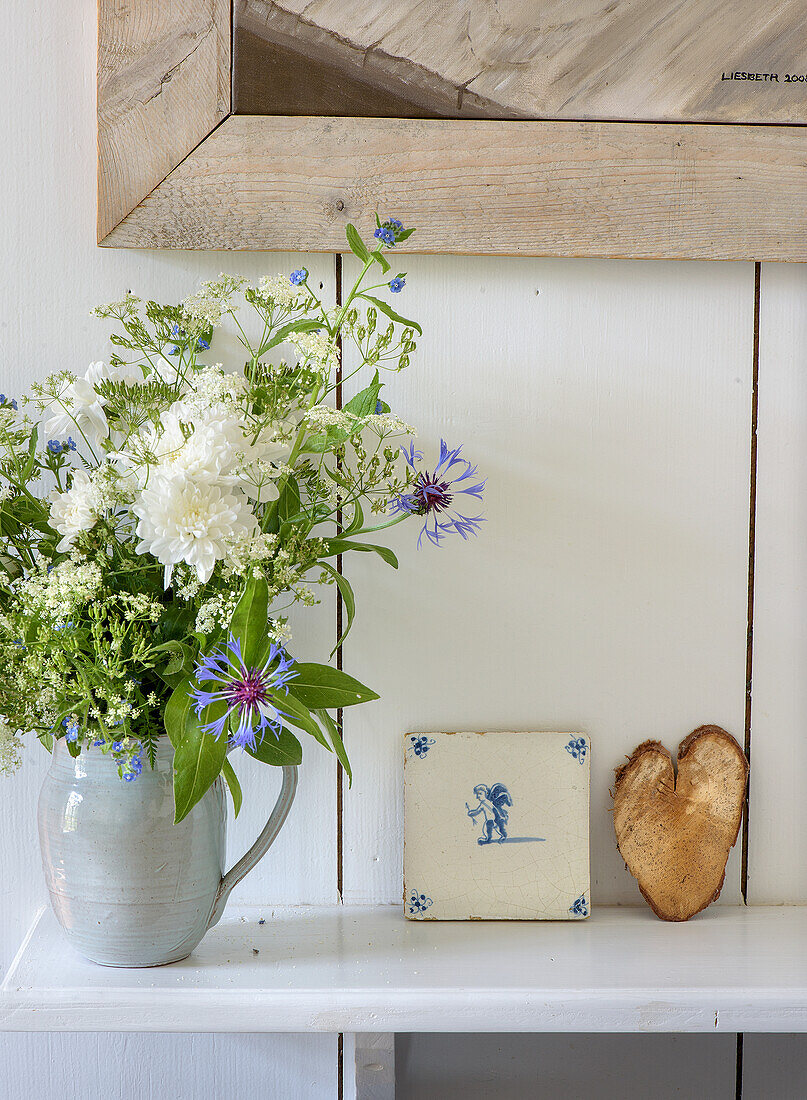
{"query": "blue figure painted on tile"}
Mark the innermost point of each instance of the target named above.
(492, 803)
(492, 812)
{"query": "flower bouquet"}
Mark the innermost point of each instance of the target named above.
(160, 515)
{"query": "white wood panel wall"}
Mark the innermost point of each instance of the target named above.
(609, 404)
(777, 861)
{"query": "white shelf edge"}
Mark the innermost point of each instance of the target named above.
(375, 971)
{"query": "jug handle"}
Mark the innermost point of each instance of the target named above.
(261, 845)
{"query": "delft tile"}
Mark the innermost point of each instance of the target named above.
(496, 826)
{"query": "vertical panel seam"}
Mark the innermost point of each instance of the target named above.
(752, 512)
(338, 622)
(738, 1079)
(340, 1042)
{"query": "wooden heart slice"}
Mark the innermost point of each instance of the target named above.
(675, 834)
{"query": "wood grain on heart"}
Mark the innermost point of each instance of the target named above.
(675, 832)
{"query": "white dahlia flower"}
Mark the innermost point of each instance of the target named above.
(182, 520)
(74, 511)
(205, 454)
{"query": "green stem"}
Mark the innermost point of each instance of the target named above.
(382, 526)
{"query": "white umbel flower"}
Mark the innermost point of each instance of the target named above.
(181, 520)
(74, 511)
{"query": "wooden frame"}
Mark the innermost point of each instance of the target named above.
(177, 169)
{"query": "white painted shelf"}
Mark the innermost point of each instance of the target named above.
(361, 970)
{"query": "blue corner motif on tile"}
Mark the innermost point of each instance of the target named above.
(577, 748)
(580, 907)
(420, 745)
(418, 903)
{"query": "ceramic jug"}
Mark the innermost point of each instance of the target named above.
(128, 886)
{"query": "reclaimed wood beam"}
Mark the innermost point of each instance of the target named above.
(507, 188)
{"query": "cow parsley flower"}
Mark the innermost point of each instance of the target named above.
(9, 746)
(278, 289)
(433, 495)
(182, 520)
(247, 693)
(205, 308)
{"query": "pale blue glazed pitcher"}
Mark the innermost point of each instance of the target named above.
(128, 886)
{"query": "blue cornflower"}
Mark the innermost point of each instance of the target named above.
(247, 693)
(395, 224)
(134, 769)
(55, 447)
(72, 727)
(5, 401)
(379, 407)
(98, 741)
(298, 277)
(70, 445)
(202, 345)
(385, 234)
(176, 330)
(117, 746)
(433, 495)
(397, 284)
(173, 350)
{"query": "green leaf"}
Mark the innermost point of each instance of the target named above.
(28, 469)
(326, 441)
(198, 756)
(289, 502)
(280, 751)
(320, 686)
(338, 744)
(357, 522)
(381, 259)
(232, 782)
(341, 546)
(390, 312)
(176, 709)
(181, 660)
(297, 714)
(357, 245)
(364, 403)
(198, 760)
(250, 619)
(348, 597)
(285, 331)
(404, 235)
